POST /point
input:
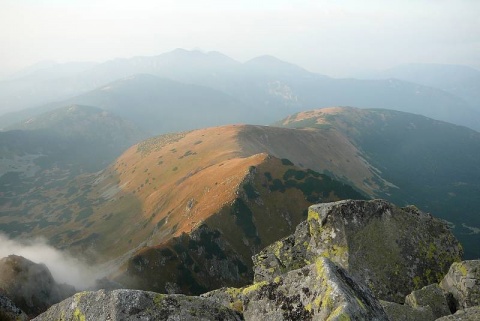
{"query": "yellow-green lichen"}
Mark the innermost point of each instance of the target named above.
(233, 292)
(319, 267)
(339, 315)
(313, 215)
(462, 269)
(336, 253)
(277, 279)
(78, 296)
(308, 307)
(158, 298)
(254, 287)
(325, 301)
(78, 315)
(432, 250)
(277, 246)
(360, 303)
(417, 282)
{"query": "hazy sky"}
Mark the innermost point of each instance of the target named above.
(334, 37)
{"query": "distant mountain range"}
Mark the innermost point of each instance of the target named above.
(184, 212)
(461, 81)
(258, 91)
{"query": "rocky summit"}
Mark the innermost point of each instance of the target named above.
(320, 291)
(315, 275)
(463, 282)
(137, 305)
(392, 250)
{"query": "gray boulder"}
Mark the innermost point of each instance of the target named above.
(463, 283)
(469, 314)
(403, 312)
(320, 291)
(30, 285)
(431, 295)
(137, 305)
(392, 250)
(9, 311)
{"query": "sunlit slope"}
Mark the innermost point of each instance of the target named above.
(433, 164)
(179, 180)
(210, 197)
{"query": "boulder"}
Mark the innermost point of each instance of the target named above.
(30, 285)
(320, 291)
(9, 311)
(137, 305)
(432, 296)
(403, 312)
(392, 250)
(463, 283)
(469, 314)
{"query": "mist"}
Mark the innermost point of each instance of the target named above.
(337, 38)
(64, 267)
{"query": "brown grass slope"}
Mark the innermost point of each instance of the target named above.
(185, 212)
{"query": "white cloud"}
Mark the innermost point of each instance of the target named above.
(64, 267)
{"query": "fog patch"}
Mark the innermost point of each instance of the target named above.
(64, 267)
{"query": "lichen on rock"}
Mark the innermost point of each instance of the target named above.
(319, 291)
(137, 305)
(401, 312)
(463, 282)
(392, 250)
(431, 295)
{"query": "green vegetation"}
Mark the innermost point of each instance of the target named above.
(286, 162)
(244, 219)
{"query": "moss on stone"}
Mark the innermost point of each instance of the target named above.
(158, 298)
(254, 287)
(338, 315)
(78, 315)
(462, 268)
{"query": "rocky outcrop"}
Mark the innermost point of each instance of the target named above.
(463, 283)
(401, 312)
(392, 250)
(469, 314)
(137, 305)
(320, 291)
(431, 296)
(30, 285)
(9, 311)
(459, 290)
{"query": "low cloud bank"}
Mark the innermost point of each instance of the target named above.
(64, 267)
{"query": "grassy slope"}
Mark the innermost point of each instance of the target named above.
(162, 192)
(433, 164)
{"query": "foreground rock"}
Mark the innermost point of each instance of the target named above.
(30, 285)
(9, 311)
(463, 282)
(137, 305)
(393, 250)
(320, 291)
(470, 314)
(431, 296)
(404, 312)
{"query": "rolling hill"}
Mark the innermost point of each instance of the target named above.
(199, 202)
(429, 163)
(184, 212)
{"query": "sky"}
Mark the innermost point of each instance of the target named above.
(336, 38)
